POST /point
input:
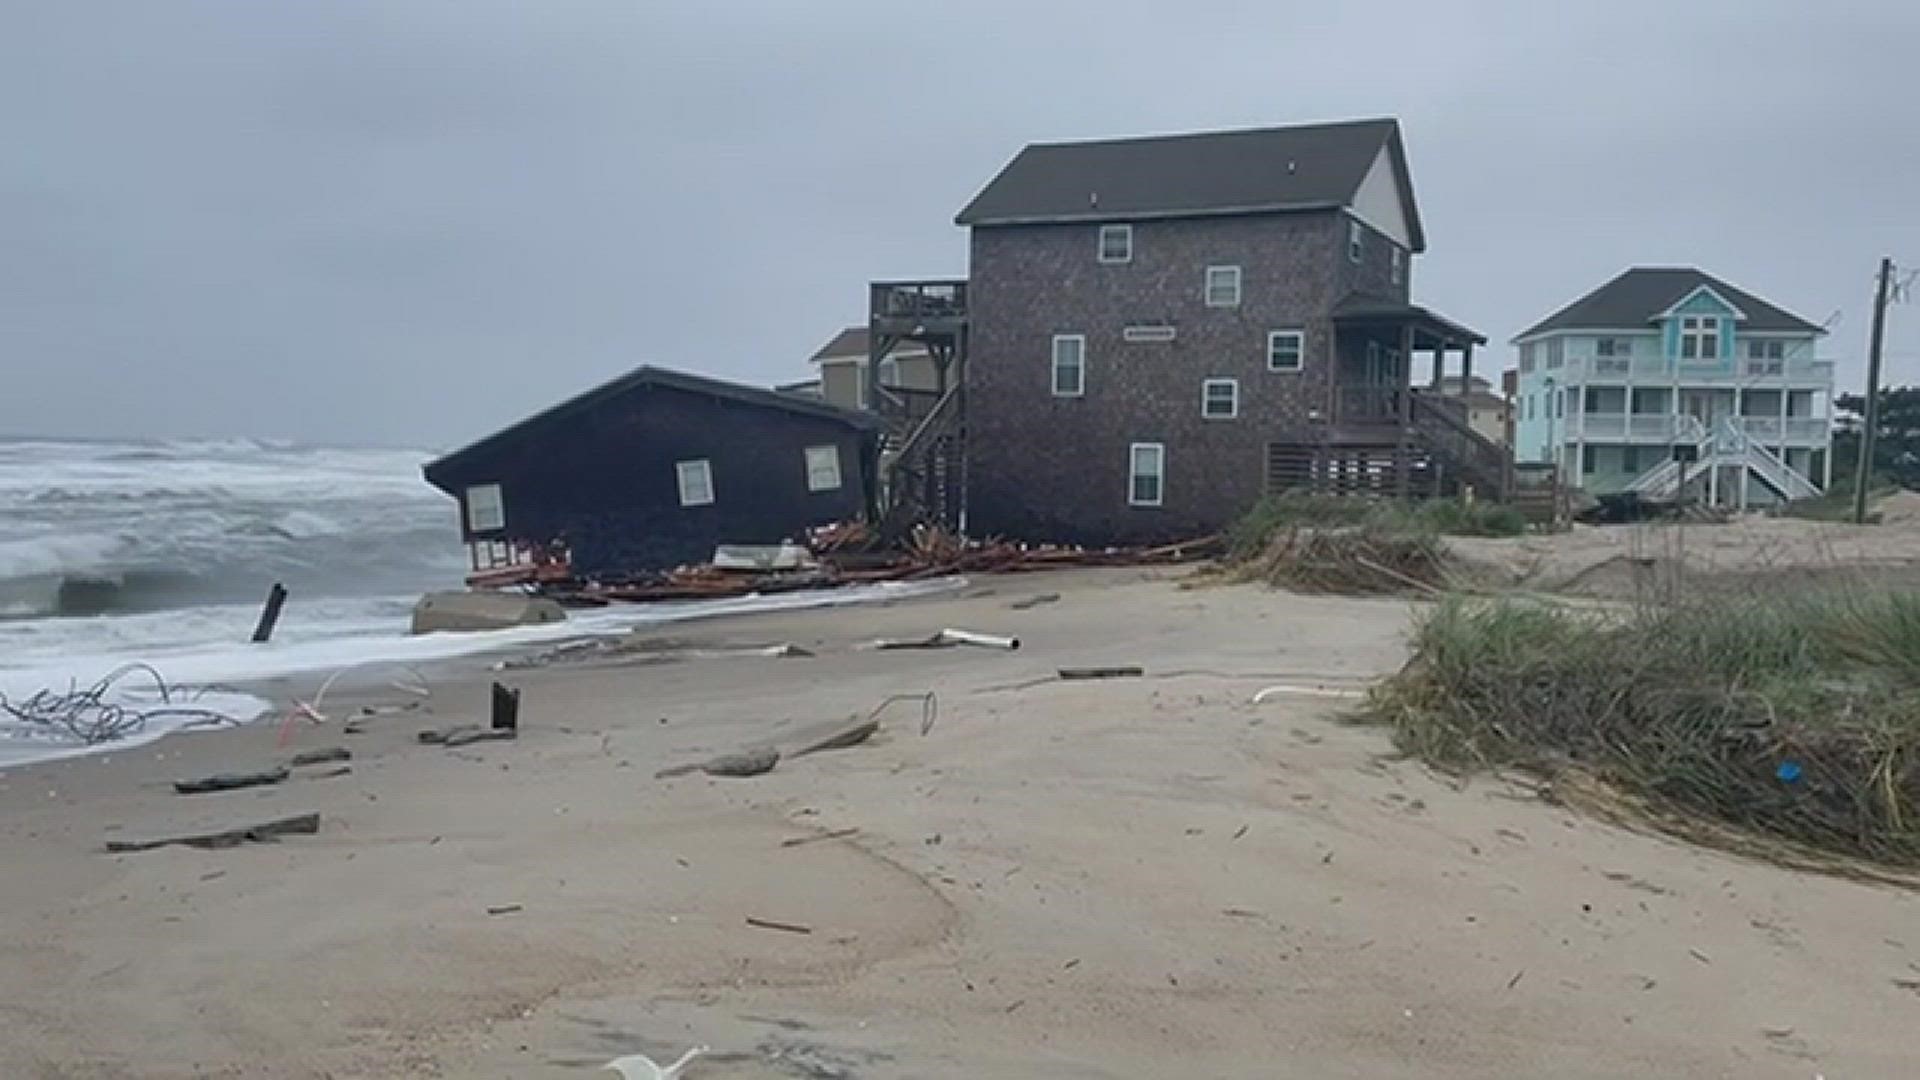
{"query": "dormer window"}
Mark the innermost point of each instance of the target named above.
(1699, 337)
(1116, 243)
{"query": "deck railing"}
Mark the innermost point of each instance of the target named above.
(943, 299)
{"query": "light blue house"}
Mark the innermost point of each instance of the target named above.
(1660, 365)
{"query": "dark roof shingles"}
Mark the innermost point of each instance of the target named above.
(1317, 165)
(1637, 296)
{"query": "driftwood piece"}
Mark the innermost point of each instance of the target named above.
(1126, 672)
(320, 756)
(462, 738)
(744, 763)
(774, 924)
(853, 734)
(799, 841)
(230, 781)
(264, 832)
(1034, 601)
(270, 613)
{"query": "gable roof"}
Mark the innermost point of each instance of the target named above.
(1264, 170)
(856, 341)
(1644, 293)
(648, 377)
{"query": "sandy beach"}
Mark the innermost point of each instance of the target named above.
(1104, 879)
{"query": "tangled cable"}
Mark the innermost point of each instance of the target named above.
(85, 714)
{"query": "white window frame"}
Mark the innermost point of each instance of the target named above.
(1356, 240)
(823, 468)
(1229, 278)
(1124, 233)
(1148, 333)
(684, 473)
(888, 373)
(1399, 271)
(1207, 387)
(1699, 331)
(489, 497)
(1079, 342)
(1299, 339)
(1159, 473)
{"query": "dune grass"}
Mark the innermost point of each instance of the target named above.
(1791, 717)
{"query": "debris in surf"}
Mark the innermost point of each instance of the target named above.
(100, 713)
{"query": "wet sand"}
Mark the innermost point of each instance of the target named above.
(1103, 879)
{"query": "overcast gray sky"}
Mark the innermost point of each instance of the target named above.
(407, 222)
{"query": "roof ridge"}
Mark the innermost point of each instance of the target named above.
(1204, 133)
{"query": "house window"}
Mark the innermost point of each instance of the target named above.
(1116, 243)
(1766, 350)
(1356, 241)
(1146, 473)
(1699, 337)
(1630, 459)
(1285, 349)
(1607, 346)
(1223, 286)
(1220, 399)
(1529, 400)
(1526, 358)
(1399, 264)
(823, 468)
(1589, 459)
(1069, 365)
(486, 509)
(889, 371)
(1556, 352)
(696, 482)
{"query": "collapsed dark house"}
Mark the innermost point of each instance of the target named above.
(652, 471)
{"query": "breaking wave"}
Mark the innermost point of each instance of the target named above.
(91, 529)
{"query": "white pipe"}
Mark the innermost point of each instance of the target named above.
(985, 641)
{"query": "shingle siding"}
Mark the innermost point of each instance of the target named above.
(1048, 468)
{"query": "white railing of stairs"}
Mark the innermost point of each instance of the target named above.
(1728, 445)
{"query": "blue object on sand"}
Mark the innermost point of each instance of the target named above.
(1788, 772)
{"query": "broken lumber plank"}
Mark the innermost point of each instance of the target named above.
(798, 841)
(230, 781)
(1034, 601)
(774, 924)
(263, 832)
(462, 738)
(1123, 672)
(321, 756)
(852, 735)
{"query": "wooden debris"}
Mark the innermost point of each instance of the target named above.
(462, 734)
(505, 909)
(264, 832)
(852, 735)
(1128, 672)
(506, 709)
(230, 781)
(837, 834)
(770, 924)
(344, 770)
(320, 756)
(742, 764)
(269, 613)
(948, 638)
(1035, 601)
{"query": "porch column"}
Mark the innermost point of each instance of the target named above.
(1439, 365)
(1402, 475)
(1580, 447)
(1466, 367)
(1784, 395)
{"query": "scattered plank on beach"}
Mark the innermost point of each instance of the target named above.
(230, 781)
(1128, 671)
(321, 756)
(773, 924)
(261, 833)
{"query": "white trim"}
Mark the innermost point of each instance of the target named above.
(823, 468)
(1738, 315)
(1080, 363)
(486, 497)
(1148, 333)
(1698, 334)
(1397, 272)
(685, 473)
(1100, 243)
(1356, 240)
(1159, 473)
(1206, 399)
(1299, 337)
(1231, 273)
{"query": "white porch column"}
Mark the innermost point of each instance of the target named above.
(1580, 448)
(1784, 395)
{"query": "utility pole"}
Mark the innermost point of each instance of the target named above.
(1871, 429)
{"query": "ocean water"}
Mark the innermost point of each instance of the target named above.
(161, 553)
